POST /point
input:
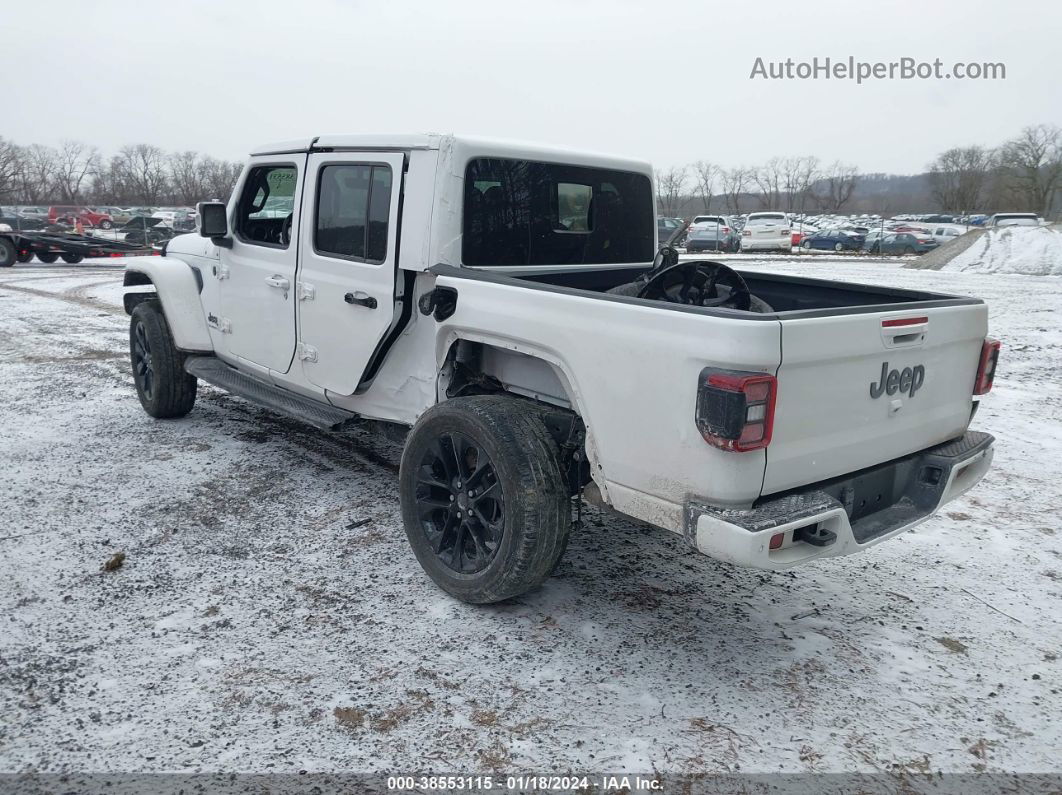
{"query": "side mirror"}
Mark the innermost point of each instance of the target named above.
(213, 220)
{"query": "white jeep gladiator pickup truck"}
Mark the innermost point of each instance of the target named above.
(505, 306)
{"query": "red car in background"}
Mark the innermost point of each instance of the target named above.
(86, 215)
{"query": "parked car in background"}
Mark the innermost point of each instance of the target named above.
(1013, 219)
(873, 236)
(34, 214)
(119, 215)
(70, 213)
(947, 232)
(904, 243)
(712, 233)
(833, 240)
(767, 232)
(666, 227)
(179, 218)
(13, 218)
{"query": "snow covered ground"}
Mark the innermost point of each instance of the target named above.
(269, 616)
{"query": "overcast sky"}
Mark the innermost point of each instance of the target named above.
(666, 81)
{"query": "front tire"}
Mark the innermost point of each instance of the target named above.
(8, 253)
(483, 499)
(106, 225)
(164, 388)
(838, 247)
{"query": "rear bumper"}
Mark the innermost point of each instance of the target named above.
(844, 515)
(707, 245)
(775, 244)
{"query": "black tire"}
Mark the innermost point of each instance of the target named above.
(73, 259)
(47, 257)
(106, 224)
(908, 250)
(501, 546)
(25, 256)
(8, 253)
(806, 245)
(838, 247)
(164, 388)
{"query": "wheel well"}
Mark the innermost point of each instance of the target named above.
(137, 279)
(476, 368)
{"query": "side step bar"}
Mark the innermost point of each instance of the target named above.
(268, 396)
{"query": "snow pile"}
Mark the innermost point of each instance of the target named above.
(1032, 251)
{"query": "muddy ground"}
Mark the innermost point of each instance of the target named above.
(269, 616)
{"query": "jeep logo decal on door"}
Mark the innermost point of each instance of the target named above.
(908, 380)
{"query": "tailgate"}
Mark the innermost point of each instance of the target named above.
(855, 390)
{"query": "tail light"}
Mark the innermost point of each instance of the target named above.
(735, 410)
(986, 368)
(726, 230)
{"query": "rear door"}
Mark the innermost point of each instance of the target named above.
(855, 390)
(347, 276)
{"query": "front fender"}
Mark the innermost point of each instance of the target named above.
(177, 284)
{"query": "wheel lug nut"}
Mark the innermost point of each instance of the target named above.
(470, 494)
(458, 514)
(451, 498)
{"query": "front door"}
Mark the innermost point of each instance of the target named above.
(348, 269)
(257, 275)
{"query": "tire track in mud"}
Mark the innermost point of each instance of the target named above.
(336, 448)
(71, 296)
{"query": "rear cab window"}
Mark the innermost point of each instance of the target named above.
(521, 212)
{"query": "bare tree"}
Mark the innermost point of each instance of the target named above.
(959, 176)
(768, 179)
(706, 174)
(219, 178)
(74, 162)
(735, 182)
(187, 177)
(1032, 163)
(798, 175)
(11, 164)
(141, 171)
(669, 187)
(833, 190)
(38, 173)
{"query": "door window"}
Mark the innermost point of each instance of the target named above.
(353, 209)
(264, 214)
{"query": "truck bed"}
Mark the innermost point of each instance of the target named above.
(864, 374)
(786, 294)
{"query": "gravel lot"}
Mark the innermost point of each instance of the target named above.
(269, 616)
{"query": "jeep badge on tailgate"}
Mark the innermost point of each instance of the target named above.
(908, 380)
